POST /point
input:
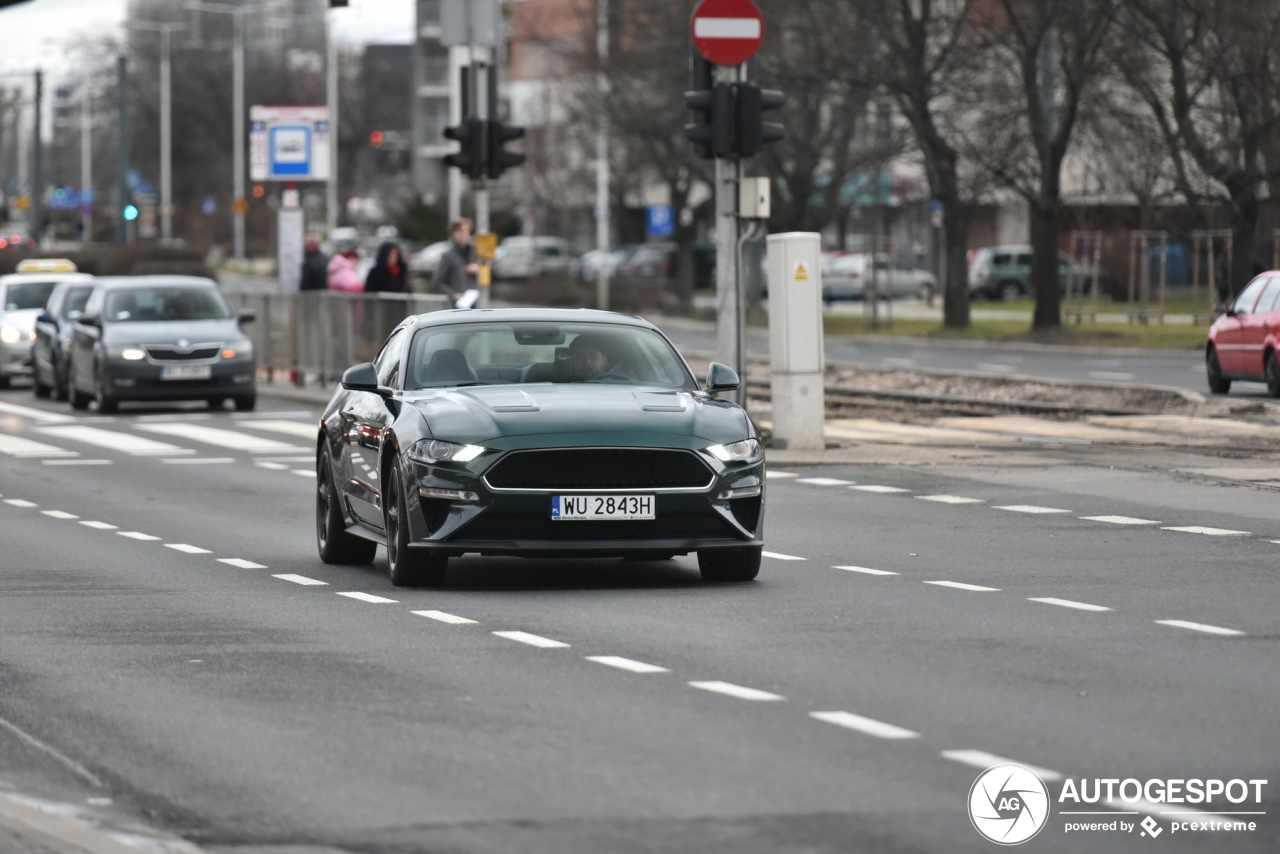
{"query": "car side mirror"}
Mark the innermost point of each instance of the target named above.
(45, 317)
(721, 377)
(363, 377)
(89, 320)
(246, 315)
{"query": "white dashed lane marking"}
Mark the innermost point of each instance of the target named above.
(532, 640)
(200, 461)
(368, 597)
(1209, 532)
(188, 549)
(627, 664)
(99, 526)
(442, 617)
(1120, 520)
(137, 535)
(301, 579)
(1200, 627)
(59, 514)
(780, 475)
(738, 691)
(867, 726)
(982, 759)
(865, 570)
(777, 556)
(950, 499)
(881, 490)
(76, 462)
(1067, 603)
(240, 563)
(1030, 508)
(825, 481)
(20, 502)
(960, 585)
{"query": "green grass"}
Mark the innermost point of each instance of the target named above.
(1088, 333)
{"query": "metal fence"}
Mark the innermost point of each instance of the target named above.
(314, 336)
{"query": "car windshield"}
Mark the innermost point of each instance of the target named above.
(166, 302)
(73, 305)
(539, 351)
(23, 296)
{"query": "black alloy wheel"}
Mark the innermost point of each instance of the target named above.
(736, 564)
(408, 567)
(1213, 371)
(332, 540)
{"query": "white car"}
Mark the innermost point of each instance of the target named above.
(22, 299)
(423, 263)
(850, 277)
(528, 257)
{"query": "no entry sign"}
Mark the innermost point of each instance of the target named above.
(727, 32)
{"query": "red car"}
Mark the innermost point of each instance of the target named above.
(1242, 343)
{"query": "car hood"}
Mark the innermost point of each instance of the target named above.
(24, 320)
(149, 332)
(563, 415)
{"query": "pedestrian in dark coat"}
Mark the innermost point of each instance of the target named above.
(315, 266)
(390, 274)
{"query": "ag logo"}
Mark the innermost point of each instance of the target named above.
(1008, 804)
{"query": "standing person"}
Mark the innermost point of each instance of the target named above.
(342, 271)
(456, 271)
(389, 273)
(315, 266)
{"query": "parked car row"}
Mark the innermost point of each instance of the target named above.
(123, 338)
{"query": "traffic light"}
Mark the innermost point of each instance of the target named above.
(752, 132)
(499, 159)
(130, 212)
(375, 139)
(469, 158)
(712, 129)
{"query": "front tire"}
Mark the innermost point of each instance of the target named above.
(736, 564)
(246, 402)
(332, 540)
(106, 403)
(408, 567)
(1213, 373)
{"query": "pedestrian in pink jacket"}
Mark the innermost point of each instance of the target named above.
(342, 271)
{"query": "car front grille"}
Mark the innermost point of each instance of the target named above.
(183, 354)
(600, 468)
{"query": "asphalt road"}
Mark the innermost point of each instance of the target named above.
(174, 654)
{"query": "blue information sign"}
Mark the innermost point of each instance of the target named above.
(660, 221)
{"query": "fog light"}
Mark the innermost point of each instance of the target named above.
(740, 492)
(448, 494)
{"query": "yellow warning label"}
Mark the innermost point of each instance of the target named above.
(802, 275)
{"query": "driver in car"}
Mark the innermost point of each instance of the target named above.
(586, 359)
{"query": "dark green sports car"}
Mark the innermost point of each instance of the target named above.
(536, 433)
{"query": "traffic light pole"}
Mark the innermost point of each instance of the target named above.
(729, 315)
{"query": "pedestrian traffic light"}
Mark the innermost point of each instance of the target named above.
(375, 139)
(469, 158)
(130, 212)
(752, 132)
(499, 159)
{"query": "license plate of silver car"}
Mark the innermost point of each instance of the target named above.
(587, 508)
(186, 372)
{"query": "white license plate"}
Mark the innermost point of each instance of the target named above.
(592, 507)
(186, 372)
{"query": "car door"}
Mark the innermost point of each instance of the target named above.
(365, 417)
(1256, 329)
(84, 342)
(1230, 337)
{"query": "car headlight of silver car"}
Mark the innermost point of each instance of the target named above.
(12, 335)
(242, 349)
(128, 352)
(743, 451)
(432, 451)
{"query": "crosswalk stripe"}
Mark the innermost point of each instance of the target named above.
(17, 446)
(232, 439)
(114, 439)
(293, 428)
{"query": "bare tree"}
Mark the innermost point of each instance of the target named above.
(1207, 71)
(1053, 57)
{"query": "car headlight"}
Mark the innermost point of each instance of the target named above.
(744, 451)
(10, 335)
(433, 451)
(243, 349)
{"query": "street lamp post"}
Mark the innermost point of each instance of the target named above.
(166, 123)
(239, 205)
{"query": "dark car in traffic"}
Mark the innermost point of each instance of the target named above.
(150, 338)
(1243, 341)
(53, 337)
(536, 433)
